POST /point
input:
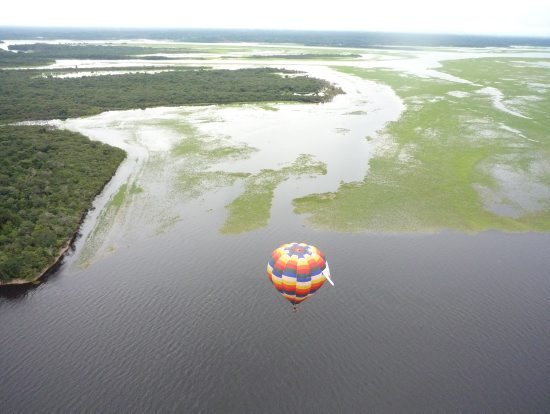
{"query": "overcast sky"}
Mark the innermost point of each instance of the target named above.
(501, 17)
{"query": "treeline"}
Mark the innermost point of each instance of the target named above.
(10, 59)
(28, 95)
(313, 38)
(91, 51)
(48, 180)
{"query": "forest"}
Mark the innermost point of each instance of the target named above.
(35, 95)
(48, 180)
(91, 51)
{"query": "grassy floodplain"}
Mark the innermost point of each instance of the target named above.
(446, 157)
(251, 210)
(196, 152)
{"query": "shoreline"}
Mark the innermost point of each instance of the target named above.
(69, 244)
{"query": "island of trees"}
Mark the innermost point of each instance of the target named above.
(32, 94)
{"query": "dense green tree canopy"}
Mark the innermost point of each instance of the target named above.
(30, 94)
(48, 179)
(91, 51)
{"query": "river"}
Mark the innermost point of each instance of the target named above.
(178, 317)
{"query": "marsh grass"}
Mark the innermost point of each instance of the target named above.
(104, 223)
(167, 222)
(251, 210)
(197, 155)
(441, 149)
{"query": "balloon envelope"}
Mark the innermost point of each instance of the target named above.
(297, 271)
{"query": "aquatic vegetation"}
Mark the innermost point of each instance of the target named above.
(251, 210)
(195, 183)
(167, 222)
(103, 225)
(307, 56)
(443, 150)
(135, 189)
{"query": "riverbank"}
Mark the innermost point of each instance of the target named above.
(58, 261)
(49, 179)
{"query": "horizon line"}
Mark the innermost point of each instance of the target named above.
(174, 28)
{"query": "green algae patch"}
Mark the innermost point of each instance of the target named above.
(356, 113)
(119, 198)
(251, 210)
(48, 181)
(196, 155)
(458, 157)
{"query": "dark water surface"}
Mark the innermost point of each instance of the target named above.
(187, 321)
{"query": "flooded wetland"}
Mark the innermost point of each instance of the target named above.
(426, 182)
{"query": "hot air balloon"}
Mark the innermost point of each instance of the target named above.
(297, 270)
